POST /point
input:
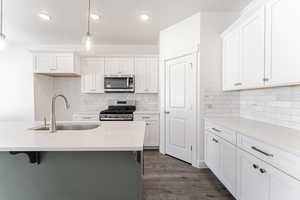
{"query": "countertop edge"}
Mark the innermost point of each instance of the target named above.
(238, 130)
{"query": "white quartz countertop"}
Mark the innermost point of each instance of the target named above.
(284, 138)
(109, 136)
(146, 112)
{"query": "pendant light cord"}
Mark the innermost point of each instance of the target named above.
(1, 15)
(89, 11)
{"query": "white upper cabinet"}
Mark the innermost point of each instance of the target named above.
(92, 75)
(56, 64)
(146, 74)
(119, 65)
(269, 46)
(253, 50)
(283, 42)
(231, 61)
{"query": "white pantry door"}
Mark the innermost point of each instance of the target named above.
(180, 107)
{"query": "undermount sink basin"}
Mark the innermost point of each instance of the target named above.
(69, 127)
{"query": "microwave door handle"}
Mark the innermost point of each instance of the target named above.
(127, 82)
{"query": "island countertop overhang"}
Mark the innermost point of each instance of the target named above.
(109, 136)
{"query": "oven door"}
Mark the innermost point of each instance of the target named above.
(118, 84)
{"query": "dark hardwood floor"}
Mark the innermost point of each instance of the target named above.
(167, 178)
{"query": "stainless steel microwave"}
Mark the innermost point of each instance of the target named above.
(119, 83)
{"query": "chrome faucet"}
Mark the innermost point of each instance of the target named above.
(53, 117)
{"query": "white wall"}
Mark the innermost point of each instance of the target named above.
(213, 101)
(181, 38)
(16, 84)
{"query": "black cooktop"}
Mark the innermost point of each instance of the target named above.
(119, 110)
(116, 111)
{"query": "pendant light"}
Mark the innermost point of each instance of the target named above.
(2, 36)
(87, 39)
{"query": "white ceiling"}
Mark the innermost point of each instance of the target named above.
(119, 25)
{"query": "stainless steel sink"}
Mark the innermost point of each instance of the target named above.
(68, 127)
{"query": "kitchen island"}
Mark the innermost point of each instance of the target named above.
(100, 163)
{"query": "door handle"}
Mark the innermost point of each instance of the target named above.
(167, 112)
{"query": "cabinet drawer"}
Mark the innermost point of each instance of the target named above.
(285, 161)
(222, 132)
(145, 117)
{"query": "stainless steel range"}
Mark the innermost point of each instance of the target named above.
(118, 111)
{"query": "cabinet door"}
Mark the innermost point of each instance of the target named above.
(152, 75)
(228, 153)
(253, 50)
(283, 42)
(44, 63)
(212, 153)
(126, 66)
(231, 61)
(88, 83)
(112, 66)
(251, 184)
(152, 134)
(92, 73)
(140, 72)
(64, 63)
(282, 186)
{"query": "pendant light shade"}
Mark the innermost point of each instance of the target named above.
(87, 39)
(2, 35)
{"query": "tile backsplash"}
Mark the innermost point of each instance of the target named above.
(217, 103)
(280, 106)
(97, 102)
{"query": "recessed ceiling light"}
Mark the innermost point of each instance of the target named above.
(44, 16)
(95, 16)
(144, 17)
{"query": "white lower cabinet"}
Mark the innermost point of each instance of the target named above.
(152, 129)
(220, 157)
(212, 153)
(259, 180)
(228, 165)
(251, 183)
(246, 175)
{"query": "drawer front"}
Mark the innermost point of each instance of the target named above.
(145, 117)
(222, 132)
(285, 161)
(85, 117)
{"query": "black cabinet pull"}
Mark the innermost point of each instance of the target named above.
(262, 152)
(217, 130)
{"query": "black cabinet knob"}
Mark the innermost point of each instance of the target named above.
(262, 170)
(255, 166)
